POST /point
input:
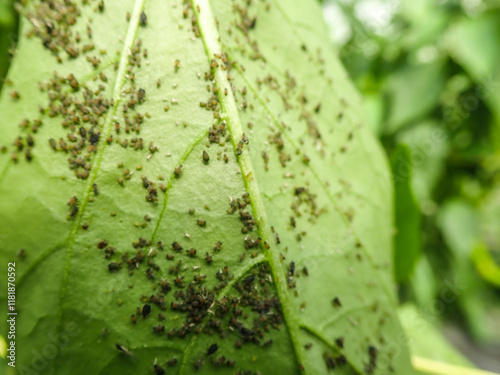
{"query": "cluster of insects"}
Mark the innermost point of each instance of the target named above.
(334, 361)
(209, 300)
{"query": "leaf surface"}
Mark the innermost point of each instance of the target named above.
(192, 178)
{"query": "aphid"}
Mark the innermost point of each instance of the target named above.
(208, 258)
(329, 360)
(176, 246)
(191, 252)
(95, 189)
(212, 349)
(199, 278)
(249, 279)
(127, 16)
(146, 310)
(340, 342)
(308, 345)
(102, 244)
(206, 158)
(198, 364)
(177, 65)
(218, 246)
(114, 267)
(143, 19)
(191, 211)
(28, 154)
(94, 138)
(237, 344)
(201, 222)
(230, 362)
(172, 362)
(170, 257)
(158, 328)
(53, 144)
(336, 302)
(292, 268)
(178, 171)
(268, 343)
(141, 93)
(18, 142)
(158, 369)
(29, 140)
(125, 351)
(15, 95)
(133, 319)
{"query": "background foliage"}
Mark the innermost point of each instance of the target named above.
(430, 77)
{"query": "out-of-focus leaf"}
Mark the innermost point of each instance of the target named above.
(412, 93)
(473, 43)
(485, 264)
(458, 222)
(423, 282)
(425, 340)
(429, 146)
(374, 107)
(407, 241)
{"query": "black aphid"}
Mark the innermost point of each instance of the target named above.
(212, 349)
(143, 19)
(146, 310)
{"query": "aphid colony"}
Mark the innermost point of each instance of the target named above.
(280, 146)
(52, 22)
(247, 315)
(246, 308)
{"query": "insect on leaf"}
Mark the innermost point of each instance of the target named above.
(188, 185)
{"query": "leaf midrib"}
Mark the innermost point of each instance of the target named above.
(210, 37)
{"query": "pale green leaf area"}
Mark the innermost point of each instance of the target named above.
(407, 242)
(425, 339)
(197, 186)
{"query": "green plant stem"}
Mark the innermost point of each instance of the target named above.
(430, 366)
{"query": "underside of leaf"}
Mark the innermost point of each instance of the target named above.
(188, 186)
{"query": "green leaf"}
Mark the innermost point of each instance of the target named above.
(407, 241)
(472, 44)
(413, 93)
(459, 223)
(216, 191)
(429, 147)
(425, 339)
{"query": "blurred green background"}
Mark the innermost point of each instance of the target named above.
(429, 72)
